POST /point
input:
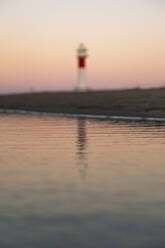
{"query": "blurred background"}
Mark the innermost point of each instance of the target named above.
(39, 39)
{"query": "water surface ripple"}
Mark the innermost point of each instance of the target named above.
(68, 182)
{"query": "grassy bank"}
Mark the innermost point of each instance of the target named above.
(145, 103)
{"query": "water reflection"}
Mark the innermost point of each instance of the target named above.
(81, 147)
(45, 204)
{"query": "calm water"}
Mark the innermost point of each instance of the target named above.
(81, 183)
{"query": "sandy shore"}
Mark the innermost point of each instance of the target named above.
(144, 103)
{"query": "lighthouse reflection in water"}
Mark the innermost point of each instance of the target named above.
(81, 183)
(81, 145)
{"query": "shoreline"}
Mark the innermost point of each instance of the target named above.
(85, 116)
(132, 104)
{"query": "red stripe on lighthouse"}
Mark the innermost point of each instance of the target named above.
(81, 62)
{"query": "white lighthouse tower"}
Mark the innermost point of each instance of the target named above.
(82, 55)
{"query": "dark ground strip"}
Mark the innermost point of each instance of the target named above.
(143, 103)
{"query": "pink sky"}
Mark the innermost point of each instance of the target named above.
(39, 41)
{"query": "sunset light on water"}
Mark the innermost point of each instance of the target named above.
(85, 183)
(82, 124)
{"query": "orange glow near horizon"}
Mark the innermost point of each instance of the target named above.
(40, 52)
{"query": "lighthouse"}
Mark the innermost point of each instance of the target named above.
(82, 55)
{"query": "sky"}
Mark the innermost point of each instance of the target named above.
(39, 38)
